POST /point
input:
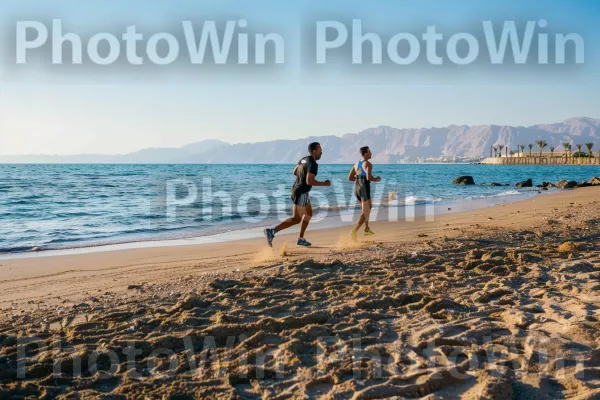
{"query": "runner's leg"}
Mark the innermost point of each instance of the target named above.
(295, 220)
(367, 213)
(306, 220)
(362, 218)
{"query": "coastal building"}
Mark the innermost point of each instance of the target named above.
(545, 158)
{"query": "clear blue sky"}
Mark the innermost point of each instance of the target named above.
(117, 109)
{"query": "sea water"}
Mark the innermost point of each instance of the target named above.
(53, 207)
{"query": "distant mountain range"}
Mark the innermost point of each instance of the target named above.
(389, 145)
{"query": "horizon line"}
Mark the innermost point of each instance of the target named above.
(275, 140)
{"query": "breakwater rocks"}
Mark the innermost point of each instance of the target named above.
(528, 183)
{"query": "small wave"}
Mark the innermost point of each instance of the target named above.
(18, 202)
(149, 230)
(77, 214)
(16, 249)
(76, 239)
(208, 217)
(335, 208)
(414, 200)
(508, 193)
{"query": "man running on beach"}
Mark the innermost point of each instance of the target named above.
(306, 170)
(361, 173)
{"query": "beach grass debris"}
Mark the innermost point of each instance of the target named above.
(568, 247)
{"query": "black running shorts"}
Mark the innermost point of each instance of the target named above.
(301, 200)
(362, 189)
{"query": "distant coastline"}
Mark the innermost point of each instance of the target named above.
(541, 160)
(451, 144)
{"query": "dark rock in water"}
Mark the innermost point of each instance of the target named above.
(546, 185)
(523, 184)
(584, 184)
(595, 181)
(464, 180)
(564, 184)
(496, 184)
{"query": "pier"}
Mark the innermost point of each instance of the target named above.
(541, 160)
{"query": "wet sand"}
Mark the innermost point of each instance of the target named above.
(493, 303)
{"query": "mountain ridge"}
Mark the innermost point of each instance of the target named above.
(389, 145)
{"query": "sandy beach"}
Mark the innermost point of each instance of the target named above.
(500, 303)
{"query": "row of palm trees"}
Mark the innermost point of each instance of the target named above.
(542, 144)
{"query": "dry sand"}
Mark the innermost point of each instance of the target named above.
(495, 303)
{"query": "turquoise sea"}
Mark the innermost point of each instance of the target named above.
(53, 207)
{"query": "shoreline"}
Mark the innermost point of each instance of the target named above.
(54, 279)
(237, 233)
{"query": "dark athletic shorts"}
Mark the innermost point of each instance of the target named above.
(301, 200)
(362, 189)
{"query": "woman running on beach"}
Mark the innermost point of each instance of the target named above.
(361, 174)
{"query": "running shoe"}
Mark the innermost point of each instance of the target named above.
(354, 234)
(369, 232)
(270, 234)
(303, 242)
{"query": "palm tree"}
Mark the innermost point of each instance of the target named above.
(590, 146)
(530, 147)
(541, 144)
(522, 148)
(512, 153)
(579, 146)
(552, 151)
(495, 151)
(500, 147)
(567, 147)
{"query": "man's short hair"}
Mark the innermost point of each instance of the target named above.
(364, 150)
(313, 146)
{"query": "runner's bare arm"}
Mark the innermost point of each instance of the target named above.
(310, 180)
(296, 169)
(352, 174)
(369, 171)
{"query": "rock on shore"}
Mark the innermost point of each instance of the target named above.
(464, 180)
(564, 184)
(525, 184)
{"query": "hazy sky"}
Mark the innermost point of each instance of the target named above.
(116, 109)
